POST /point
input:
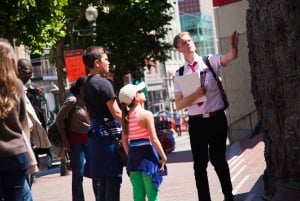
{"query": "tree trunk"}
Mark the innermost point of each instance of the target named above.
(62, 93)
(60, 64)
(273, 33)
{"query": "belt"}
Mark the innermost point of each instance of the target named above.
(139, 142)
(208, 114)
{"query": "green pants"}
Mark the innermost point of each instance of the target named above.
(142, 186)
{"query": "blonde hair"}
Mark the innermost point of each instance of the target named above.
(8, 78)
(178, 36)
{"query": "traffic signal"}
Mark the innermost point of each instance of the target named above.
(136, 81)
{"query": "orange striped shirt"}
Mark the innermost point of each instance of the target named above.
(135, 131)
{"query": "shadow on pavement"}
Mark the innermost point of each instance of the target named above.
(240, 197)
(53, 170)
(242, 145)
(180, 157)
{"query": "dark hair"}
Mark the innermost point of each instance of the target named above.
(24, 64)
(92, 53)
(75, 88)
(124, 118)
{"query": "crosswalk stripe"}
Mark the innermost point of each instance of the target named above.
(233, 167)
(240, 184)
(238, 173)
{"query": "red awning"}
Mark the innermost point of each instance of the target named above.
(222, 2)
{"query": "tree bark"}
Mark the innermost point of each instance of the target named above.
(273, 33)
(62, 93)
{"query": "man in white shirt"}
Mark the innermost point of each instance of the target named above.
(207, 120)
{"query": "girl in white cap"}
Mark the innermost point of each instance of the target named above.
(146, 157)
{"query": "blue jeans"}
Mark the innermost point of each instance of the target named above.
(27, 192)
(107, 189)
(13, 183)
(77, 159)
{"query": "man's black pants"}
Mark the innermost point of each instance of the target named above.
(208, 142)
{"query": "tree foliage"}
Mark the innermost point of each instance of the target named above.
(36, 24)
(132, 31)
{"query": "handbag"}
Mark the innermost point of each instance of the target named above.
(54, 135)
(219, 83)
(119, 149)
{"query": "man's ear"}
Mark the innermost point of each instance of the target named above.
(97, 63)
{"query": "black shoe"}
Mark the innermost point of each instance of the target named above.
(229, 198)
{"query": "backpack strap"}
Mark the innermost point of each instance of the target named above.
(220, 86)
(181, 69)
(207, 63)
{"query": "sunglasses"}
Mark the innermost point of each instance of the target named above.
(26, 71)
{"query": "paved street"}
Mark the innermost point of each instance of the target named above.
(245, 159)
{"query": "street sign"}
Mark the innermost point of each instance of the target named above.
(74, 64)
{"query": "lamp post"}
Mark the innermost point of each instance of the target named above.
(91, 14)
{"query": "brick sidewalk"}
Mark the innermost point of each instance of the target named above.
(247, 164)
(245, 159)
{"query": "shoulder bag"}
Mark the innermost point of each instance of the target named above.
(119, 149)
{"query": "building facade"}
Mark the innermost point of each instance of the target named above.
(242, 116)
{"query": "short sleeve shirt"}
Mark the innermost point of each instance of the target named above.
(97, 91)
(214, 100)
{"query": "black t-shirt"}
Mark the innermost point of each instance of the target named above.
(97, 91)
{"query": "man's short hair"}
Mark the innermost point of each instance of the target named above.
(178, 36)
(24, 70)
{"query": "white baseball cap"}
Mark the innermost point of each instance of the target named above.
(128, 92)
